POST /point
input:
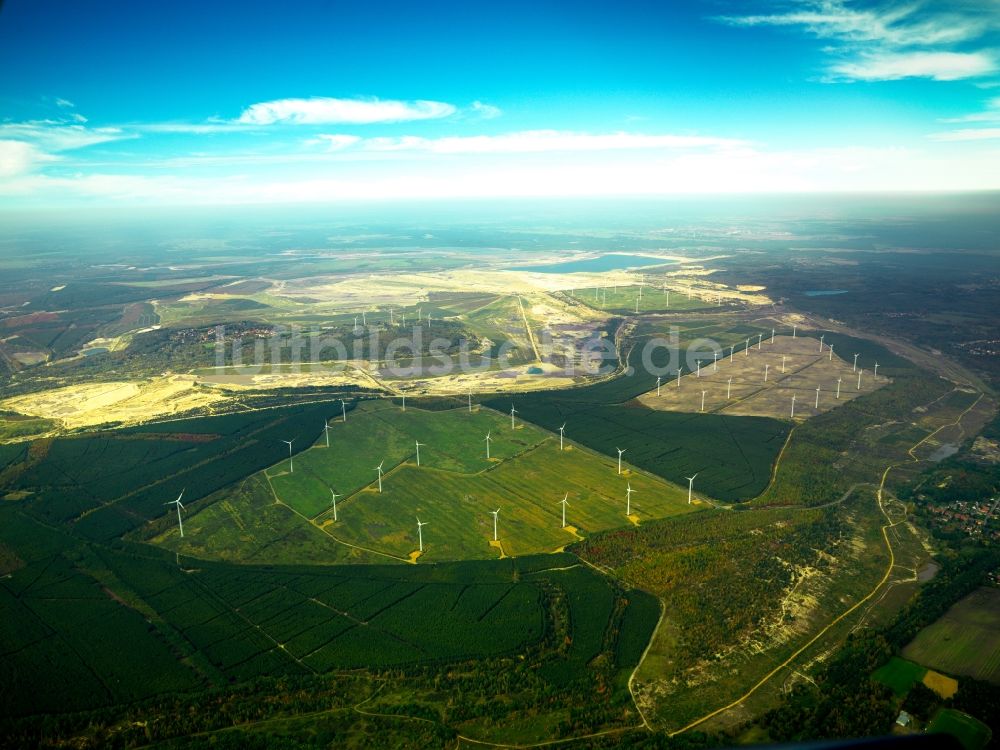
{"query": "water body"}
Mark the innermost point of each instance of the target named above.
(824, 292)
(609, 262)
(95, 351)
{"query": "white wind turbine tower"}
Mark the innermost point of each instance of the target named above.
(418, 450)
(766, 367)
(355, 323)
(875, 374)
(487, 446)
(420, 533)
(679, 368)
(391, 321)
(729, 388)
(855, 368)
(564, 502)
(561, 429)
(838, 388)
(620, 451)
(793, 406)
(364, 318)
(657, 385)
(343, 410)
(404, 401)
(783, 358)
(746, 348)
(326, 429)
(628, 500)
(690, 487)
(495, 514)
(637, 304)
(821, 343)
(793, 330)
(470, 401)
(180, 506)
(772, 335)
(699, 369)
(333, 501)
(817, 397)
(859, 379)
(291, 465)
(759, 336)
(703, 400)
(379, 470)
(731, 350)
(830, 347)
(715, 362)
(513, 411)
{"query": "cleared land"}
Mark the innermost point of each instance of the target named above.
(965, 640)
(453, 492)
(971, 732)
(795, 367)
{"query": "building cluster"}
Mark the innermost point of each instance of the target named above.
(972, 517)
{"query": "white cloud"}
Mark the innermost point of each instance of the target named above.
(892, 41)
(64, 103)
(967, 134)
(532, 141)
(335, 142)
(939, 66)
(327, 110)
(60, 135)
(18, 157)
(991, 114)
(486, 111)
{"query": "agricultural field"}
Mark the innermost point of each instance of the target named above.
(972, 733)
(735, 383)
(625, 299)
(900, 675)
(965, 640)
(452, 492)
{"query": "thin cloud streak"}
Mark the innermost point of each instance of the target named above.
(328, 110)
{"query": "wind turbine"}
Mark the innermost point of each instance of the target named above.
(838, 388)
(699, 369)
(729, 388)
(180, 506)
(793, 330)
(715, 362)
(470, 401)
(817, 397)
(657, 385)
(830, 347)
(487, 446)
(855, 368)
(637, 304)
(418, 451)
(513, 411)
(859, 379)
(628, 500)
(679, 368)
(564, 502)
(561, 435)
(404, 401)
(746, 348)
(732, 348)
(821, 343)
(291, 465)
(783, 358)
(620, 451)
(326, 429)
(759, 336)
(495, 514)
(690, 487)
(703, 400)
(379, 470)
(766, 367)
(420, 533)
(355, 323)
(875, 374)
(772, 335)
(364, 318)
(343, 410)
(793, 406)
(333, 501)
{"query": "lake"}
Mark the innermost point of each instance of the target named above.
(608, 262)
(824, 292)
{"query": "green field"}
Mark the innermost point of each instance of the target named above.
(900, 675)
(965, 640)
(453, 492)
(971, 732)
(622, 299)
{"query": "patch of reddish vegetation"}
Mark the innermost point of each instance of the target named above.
(27, 320)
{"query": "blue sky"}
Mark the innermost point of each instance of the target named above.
(121, 103)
